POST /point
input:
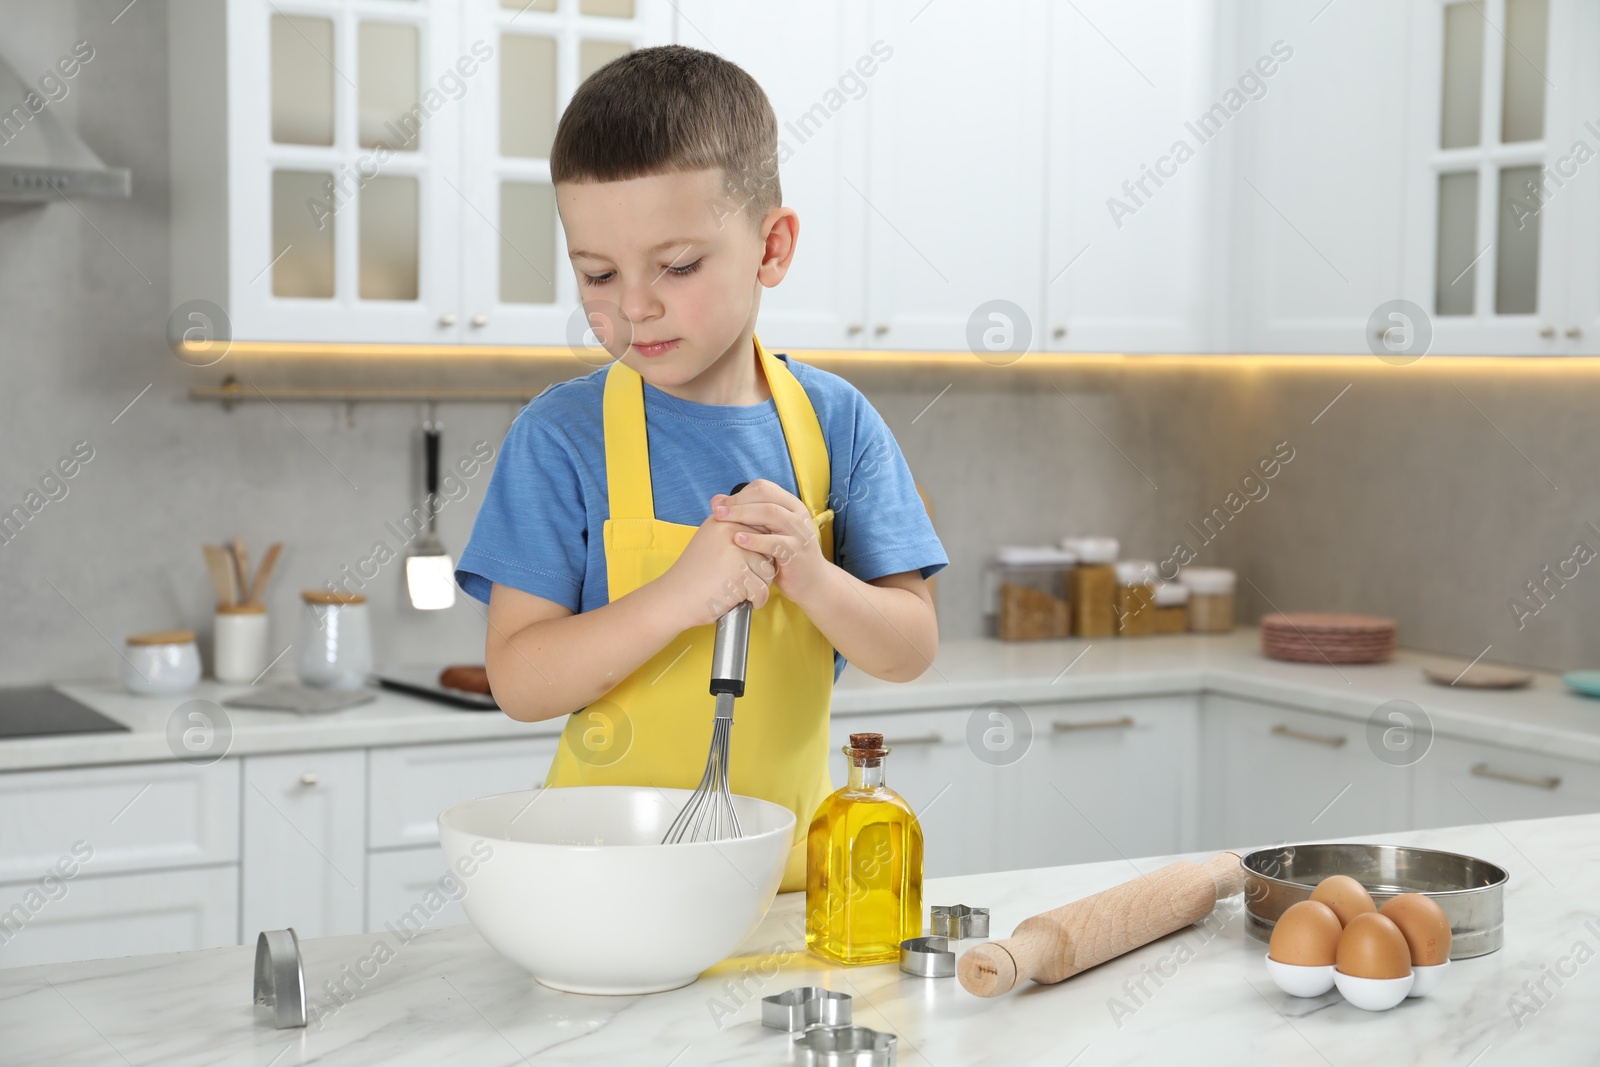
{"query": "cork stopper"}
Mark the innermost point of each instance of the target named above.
(867, 746)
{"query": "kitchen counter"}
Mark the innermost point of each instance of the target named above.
(1544, 718)
(1198, 996)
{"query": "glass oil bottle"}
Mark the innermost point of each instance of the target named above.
(863, 865)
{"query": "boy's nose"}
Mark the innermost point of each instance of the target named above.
(641, 303)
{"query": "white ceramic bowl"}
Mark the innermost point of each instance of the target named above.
(160, 670)
(1427, 979)
(1300, 981)
(1373, 994)
(573, 883)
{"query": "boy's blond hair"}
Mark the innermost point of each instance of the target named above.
(669, 109)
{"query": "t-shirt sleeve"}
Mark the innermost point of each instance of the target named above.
(880, 524)
(531, 531)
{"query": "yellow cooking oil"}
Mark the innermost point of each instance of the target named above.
(863, 865)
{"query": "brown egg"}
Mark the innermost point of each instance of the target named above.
(1425, 926)
(1346, 896)
(1373, 947)
(1307, 935)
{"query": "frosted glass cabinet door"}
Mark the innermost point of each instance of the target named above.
(343, 216)
(517, 285)
(1501, 90)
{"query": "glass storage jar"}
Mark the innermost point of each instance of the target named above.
(1211, 592)
(1094, 586)
(1033, 595)
(1136, 595)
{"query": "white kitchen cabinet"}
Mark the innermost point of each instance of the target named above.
(821, 84)
(121, 915)
(304, 849)
(1315, 172)
(1460, 782)
(123, 817)
(410, 889)
(1274, 774)
(956, 797)
(956, 177)
(409, 785)
(1105, 780)
(1132, 244)
(344, 170)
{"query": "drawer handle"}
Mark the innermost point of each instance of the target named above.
(1097, 724)
(309, 778)
(1331, 740)
(921, 739)
(1483, 770)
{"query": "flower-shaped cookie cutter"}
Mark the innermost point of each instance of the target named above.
(845, 1046)
(958, 922)
(927, 957)
(804, 1007)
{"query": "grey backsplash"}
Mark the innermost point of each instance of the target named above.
(1429, 496)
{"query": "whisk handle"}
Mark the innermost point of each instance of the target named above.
(732, 645)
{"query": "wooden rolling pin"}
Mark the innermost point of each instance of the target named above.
(1087, 932)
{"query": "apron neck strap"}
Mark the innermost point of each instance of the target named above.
(628, 450)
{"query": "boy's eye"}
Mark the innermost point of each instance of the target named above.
(686, 269)
(598, 279)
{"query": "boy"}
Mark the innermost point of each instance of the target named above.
(607, 545)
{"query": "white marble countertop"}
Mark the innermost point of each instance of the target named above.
(1545, 717)
(445, 997)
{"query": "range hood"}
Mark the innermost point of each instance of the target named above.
(40, 155)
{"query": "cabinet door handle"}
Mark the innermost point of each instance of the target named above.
(480, 320)
(854, 329)
(309, 778)
(1573, 331)
(1097, 724)
(920, 739)
(1331, 740)
(880, 329)
(447, 319)
(1483, 770)
(1547, 331)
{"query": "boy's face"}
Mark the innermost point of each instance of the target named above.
(668, 268)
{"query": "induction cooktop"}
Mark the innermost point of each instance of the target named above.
(38, 711)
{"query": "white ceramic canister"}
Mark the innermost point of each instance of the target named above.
(335, 640)
(239, 642)
(161, 662)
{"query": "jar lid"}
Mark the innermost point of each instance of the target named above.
(241, 609)
(1096, 550)
(331, 596)
(1171, 595)
(1208, 581)
(162, 637)
(1136, 572)
(1034, 556)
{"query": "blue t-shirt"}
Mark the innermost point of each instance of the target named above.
(539, 527)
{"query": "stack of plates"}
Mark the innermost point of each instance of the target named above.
(1313, 637)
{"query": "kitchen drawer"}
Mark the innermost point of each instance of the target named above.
(1276, 774)
(410, 785)
(119, 915)
(1460, 782)
(304, 862)
(132, 816)
(404, 893)
(1105, 780)
(956, 797)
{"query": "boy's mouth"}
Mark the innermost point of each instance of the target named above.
(658, 348)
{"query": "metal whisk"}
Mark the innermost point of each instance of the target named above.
(709, 814)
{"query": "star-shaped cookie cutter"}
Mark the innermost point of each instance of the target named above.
(804, 1007)
(958, 922)
(839, 1046)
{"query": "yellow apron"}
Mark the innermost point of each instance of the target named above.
(654, 727)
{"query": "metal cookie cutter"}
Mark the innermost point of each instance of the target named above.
(805, 1006)
(958, 922)
(845, 1046)
(281, 977)
(927, 957)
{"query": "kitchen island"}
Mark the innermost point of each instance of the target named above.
(1201, 995)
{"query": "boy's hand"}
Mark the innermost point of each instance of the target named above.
(714, 573)
(774, 523)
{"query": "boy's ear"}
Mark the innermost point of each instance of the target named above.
(780, 230)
